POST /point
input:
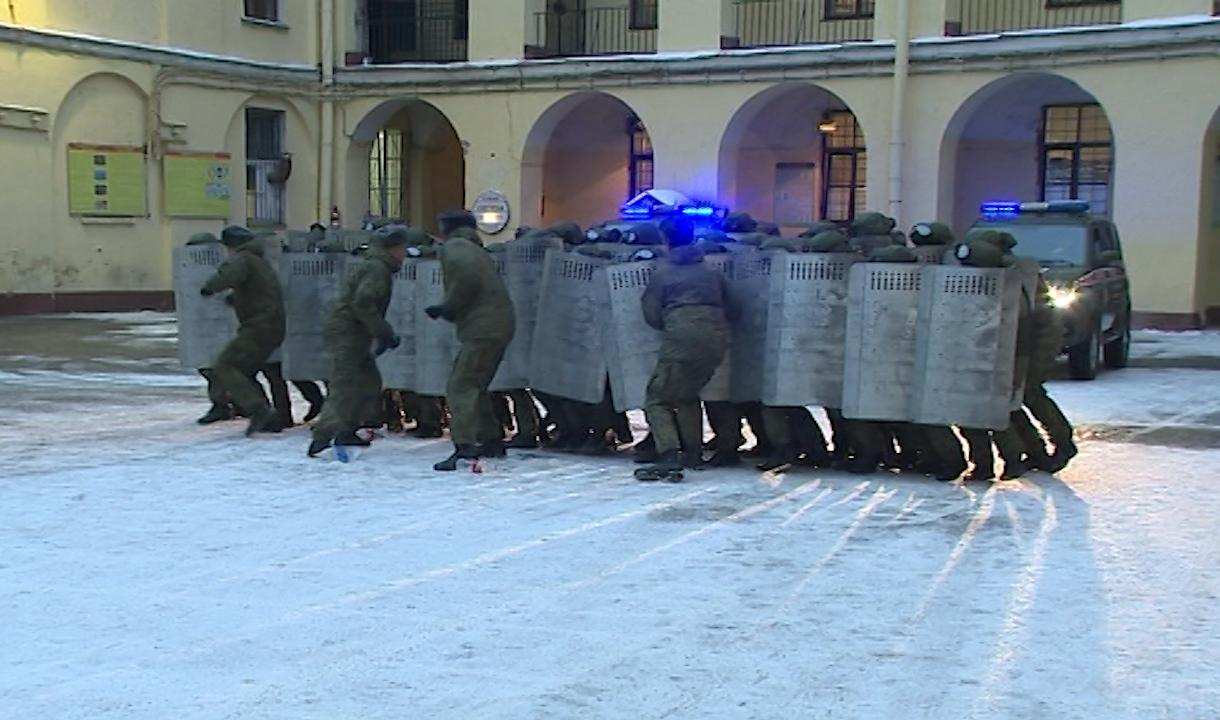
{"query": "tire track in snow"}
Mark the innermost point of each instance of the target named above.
(980, 518)
(487, 558)
(877, 500)
(1015, 631)
(684, 538)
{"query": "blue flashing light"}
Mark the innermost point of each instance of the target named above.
(1001, 209)
(699, 211)
(1006, 209)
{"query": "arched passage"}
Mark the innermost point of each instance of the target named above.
(584, 157)
(792, 155)
(1027, 137)
(406, 161)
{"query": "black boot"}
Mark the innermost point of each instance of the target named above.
(1015, 469)
(782, 459)
(522, 442)
(862, 465)
(492, 449)
(351, 439)
(428, 432)
(260, 420)
(317, 446)
(315, 409)
(667, 467)
(725, 458)
(217, 413)
(646, 450)
(1061, 458)
(460, 452)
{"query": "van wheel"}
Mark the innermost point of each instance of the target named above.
(1118, 350)
(1084, 359)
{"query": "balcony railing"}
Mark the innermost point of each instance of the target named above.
(766, 23)
(422, 37)
(264, 199)
(989, 16)
(594, 31)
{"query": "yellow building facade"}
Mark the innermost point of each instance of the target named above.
(128, 125)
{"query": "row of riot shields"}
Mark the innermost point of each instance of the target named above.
(925, 343)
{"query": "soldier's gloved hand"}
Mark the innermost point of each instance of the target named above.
(388, 343)
(207, 292)
(435, 311)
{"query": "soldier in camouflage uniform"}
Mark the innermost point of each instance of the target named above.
(477, 303)
(258, 301)
(357, 320)
(690, 305)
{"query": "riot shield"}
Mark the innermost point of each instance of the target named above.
(748, 287)
(806, 330)
(931, 254)
(312, 285)
(205, 325)
(567, 358)
(966, 346)
(523, 277)
(398, 366)
(879, 358)
(720, 387)
(631, 345)
(436, 343)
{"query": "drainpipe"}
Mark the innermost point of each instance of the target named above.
(326, 163)
(902, 66)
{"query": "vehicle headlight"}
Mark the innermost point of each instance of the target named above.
(1063, 297)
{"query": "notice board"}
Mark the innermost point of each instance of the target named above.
(197, 185)
(107, 180)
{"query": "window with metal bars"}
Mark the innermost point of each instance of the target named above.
(849, 9)
(264, 165)
(268, 10)
(845, 167)
(643, 15)
(385, 174)
(1077, 155)
(640, 176)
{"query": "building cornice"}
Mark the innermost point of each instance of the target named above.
(1041, 49)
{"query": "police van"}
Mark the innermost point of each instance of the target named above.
(1082, 263)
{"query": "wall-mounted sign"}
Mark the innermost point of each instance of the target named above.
(106, 181)
(197, 185)
(491, 211)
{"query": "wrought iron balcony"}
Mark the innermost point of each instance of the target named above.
(420, 33)
(767, 23)
(990, 16)
(562, 31)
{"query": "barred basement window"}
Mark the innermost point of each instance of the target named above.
(268, 10)
(264, 164)
(385, 174)
(849, 9)
(1077, 155)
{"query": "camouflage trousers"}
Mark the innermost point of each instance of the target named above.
(235, 366)
(355, 389)
(473, 417)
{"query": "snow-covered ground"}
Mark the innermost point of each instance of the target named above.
(151, 568)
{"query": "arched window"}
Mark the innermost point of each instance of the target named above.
(385, 174)
(640, 176)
